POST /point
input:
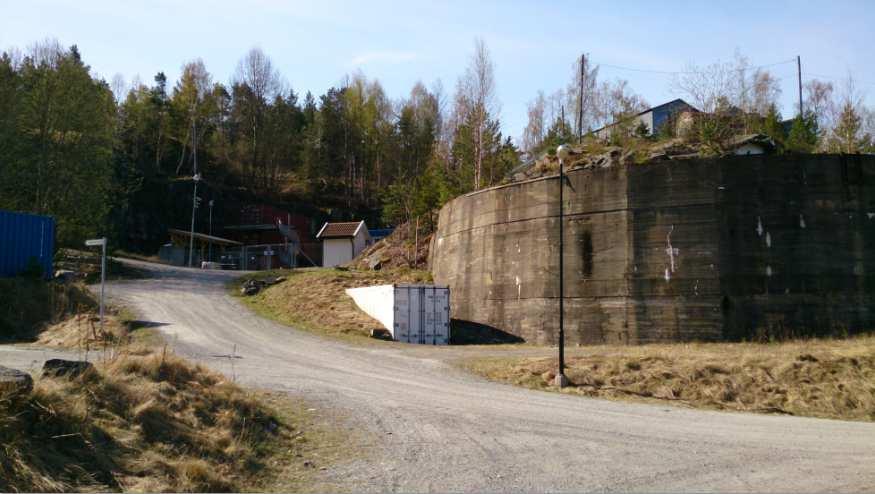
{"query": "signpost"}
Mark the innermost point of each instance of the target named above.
(100, 242)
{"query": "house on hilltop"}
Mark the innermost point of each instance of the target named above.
(652, 118)
(342, 242)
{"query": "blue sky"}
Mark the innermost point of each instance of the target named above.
(533, 44)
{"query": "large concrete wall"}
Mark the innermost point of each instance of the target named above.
(698, 249)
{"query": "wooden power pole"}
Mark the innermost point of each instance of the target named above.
(799, 77)
(580, 100)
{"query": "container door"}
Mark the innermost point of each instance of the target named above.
(429, 323)
(415, 316)
(402, 314)
(442, 316)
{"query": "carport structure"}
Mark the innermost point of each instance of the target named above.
(180, 240)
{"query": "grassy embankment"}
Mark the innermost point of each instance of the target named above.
(831, 378)
(817, 378)
(144, 419)
(314, 300)
(150, 421)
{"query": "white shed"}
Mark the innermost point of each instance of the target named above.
(341, 242)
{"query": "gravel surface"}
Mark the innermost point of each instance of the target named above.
(419, 424)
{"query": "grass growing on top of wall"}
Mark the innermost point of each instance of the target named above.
(817, 378)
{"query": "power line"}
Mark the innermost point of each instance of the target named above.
(835, 78)
(677, 72)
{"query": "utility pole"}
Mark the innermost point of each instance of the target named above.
(194, 199)
(799, 76)
(580, 101)
(211, 230)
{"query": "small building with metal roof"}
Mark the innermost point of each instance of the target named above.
(342, 242)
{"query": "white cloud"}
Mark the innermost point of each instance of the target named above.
(384, 57)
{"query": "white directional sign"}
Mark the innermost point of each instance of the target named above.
(100, 242)
(269, 252)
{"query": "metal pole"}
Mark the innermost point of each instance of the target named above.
(561, 380)
(211, 231)
(193, 208)
(799, 77)
(102, 282)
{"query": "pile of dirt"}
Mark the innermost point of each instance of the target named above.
(143, 421)
(316, 299)
(403, 248)
(819, 378)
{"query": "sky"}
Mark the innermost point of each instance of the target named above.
(533, 44)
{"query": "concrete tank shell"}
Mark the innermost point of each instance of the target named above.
(412, 313)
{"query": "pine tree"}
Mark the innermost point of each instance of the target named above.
(846, 137)
(803, 135)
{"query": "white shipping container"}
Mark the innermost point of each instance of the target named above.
(411, 313)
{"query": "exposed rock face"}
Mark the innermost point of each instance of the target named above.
(14, 382)
(737, 247)
(65, 368)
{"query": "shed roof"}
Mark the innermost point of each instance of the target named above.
(202, 237)
(340, 230)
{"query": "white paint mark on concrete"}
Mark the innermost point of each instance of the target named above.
(769, 271)
(768, 240)
(801, 221)
(667, 275)
(759, 226)
(519, 288)
(870, 215)
(672, 252)
(440, 241)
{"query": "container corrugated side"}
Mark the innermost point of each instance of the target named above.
(25, 236)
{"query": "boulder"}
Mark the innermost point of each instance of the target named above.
(381, 334)
(65, 275)
(65, 368)
(14, 382)
(251, 287)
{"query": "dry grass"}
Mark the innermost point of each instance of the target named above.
(27, 305)
(148, 421)
(315, 299)
(818, 378)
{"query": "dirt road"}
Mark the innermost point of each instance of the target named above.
(429, 427)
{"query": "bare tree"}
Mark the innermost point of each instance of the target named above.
(819, 102)
(256, 71)
(119, 88)
(478, 93)
(708, 86)
(533, 135)
(588, 79)
(766, 89)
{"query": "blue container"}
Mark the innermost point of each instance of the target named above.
(25, 236)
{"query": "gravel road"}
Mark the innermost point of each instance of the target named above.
(426, 426)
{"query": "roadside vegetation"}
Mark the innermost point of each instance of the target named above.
(149, 421)
(816, 378)
(315, 300)
(142, 419)
(30, 303)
